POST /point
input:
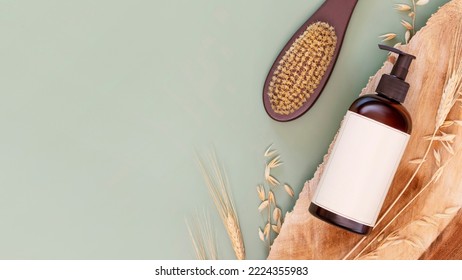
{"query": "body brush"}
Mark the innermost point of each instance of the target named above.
(304, 65)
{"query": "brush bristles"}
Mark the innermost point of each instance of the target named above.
(302, 67)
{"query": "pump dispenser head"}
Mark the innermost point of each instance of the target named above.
(393, 85)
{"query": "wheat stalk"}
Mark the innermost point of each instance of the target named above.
(218, 187)
(203, 237)
(451, 93)
(453, 85)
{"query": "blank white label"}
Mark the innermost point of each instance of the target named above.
(360, 169)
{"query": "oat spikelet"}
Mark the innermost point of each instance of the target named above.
(407, 36)
(271, 198)
(263, 205)
(302, 67)
(276, 214)
(387, 37)
(275, 228)
(275, 162)
(289, 190)
(406, 24)
(269, 152)
(422, 2)
(261, 235)
(218, 187)
(261, 192)
(266, 230)
(402, 7)
(272, 180)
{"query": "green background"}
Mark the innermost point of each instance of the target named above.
(105, 103)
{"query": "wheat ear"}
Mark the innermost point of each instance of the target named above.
(218, 187)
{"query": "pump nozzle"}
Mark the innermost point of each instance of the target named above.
(401, 66)
(393, 85)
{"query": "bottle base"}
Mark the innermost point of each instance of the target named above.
(338, 220)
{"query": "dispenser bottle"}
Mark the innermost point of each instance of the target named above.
(365, 157)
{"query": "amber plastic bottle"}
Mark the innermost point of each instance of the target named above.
(366, 154)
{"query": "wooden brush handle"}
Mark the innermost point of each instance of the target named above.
(337, 13)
